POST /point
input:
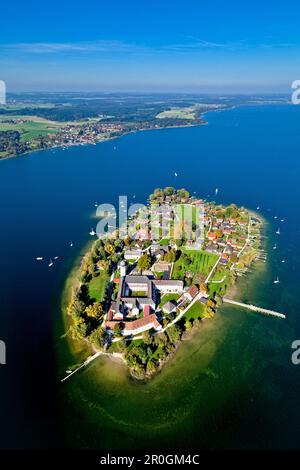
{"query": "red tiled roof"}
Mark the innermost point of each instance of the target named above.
(193, 291)
(136, 324)
(140, 322)
(147, 310)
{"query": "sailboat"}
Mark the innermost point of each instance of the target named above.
(71, 244)
(277, 281)
(50, 263)
(92, 232)
(216, 191)
(96, 204)
(278, 232)
(39, 258)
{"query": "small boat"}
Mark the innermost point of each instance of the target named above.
(50, 263)
(276, 281)
(281, 220)
(56, 257)
(39, 258)
(283, 260)
(278, 232)
(96, 204)
(68, 371)
(115, 148)
(175, 174)
(71, 244)
(275, 217)
(92, 232)
(275, 247)
(257, 208)
(216, 191)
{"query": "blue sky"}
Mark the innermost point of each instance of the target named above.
(150, 46)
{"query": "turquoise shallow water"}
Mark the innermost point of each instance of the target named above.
(233, 384)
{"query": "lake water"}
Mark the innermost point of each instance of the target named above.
(233, 384)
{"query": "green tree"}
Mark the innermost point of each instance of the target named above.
(118, 330)
(147, 337)
(174, 333)
(151, 366)
(76, 308)
(95, 310)
(171, 256)
(144, 262)
(168, 191)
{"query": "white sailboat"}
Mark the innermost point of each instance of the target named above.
(71, 244)
(50, 263)
(277, 281)
(216, 191)
(96, 204)
(278, 232)
(92, 232)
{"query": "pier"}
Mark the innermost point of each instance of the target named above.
(254, 308)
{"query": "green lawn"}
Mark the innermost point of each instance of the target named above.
(168, 297)
(97, 286)
(195, 311)
(202, 262)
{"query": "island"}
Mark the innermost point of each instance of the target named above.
(137, 297)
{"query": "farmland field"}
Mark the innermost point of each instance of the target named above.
(201, 262)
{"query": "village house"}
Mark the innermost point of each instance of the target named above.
(191, 293)
(136, 326)
(133, 254)
(169, 307)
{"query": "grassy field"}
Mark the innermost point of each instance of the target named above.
(30, 126)
(202, 262)
(178, 113)
(97, 287)
(195, 311)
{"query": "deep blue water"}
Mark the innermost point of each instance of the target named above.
(252, 154)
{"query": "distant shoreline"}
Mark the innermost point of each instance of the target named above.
(54, 147)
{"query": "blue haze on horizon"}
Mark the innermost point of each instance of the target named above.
(190, 46)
